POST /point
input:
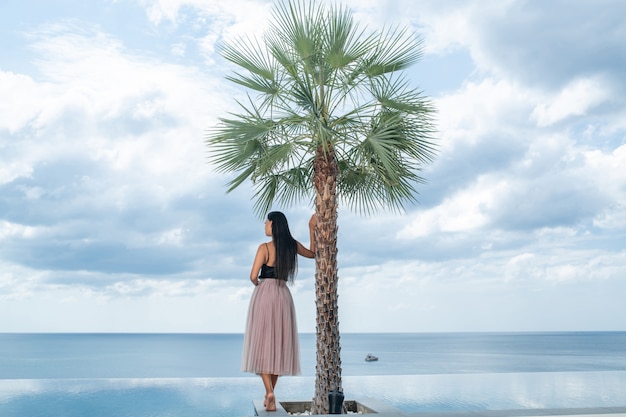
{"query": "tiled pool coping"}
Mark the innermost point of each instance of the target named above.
(385, 410)
(379, 408)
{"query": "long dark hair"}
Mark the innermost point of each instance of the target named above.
(286, 247)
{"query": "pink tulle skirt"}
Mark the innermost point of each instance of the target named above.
(270, 343)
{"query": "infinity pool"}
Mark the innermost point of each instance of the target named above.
(232, 397)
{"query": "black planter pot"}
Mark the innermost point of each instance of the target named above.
(335, 402)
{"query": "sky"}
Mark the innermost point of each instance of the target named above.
(113, 220)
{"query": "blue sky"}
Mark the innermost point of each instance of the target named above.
(111, 218)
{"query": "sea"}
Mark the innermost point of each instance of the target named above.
(193, 375)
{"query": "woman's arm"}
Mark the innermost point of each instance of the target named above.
(309, 253)
(259, 260)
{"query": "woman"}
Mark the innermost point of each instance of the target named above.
(270, 346)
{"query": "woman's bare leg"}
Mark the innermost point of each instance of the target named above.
(270, 400)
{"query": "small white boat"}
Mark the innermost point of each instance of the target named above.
(370, 358)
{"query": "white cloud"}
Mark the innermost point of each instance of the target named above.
(496, 291)
(236, 17)
(613, 218)
(479, 110)
(466, 210)
(12, 229)
(467, 18)
(77, 310)
(575, 99)
(99, 102)
(607, 170)
(19, 111)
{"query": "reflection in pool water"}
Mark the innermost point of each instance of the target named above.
(232, 397)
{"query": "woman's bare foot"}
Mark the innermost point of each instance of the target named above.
(271, 402)
(265, 401)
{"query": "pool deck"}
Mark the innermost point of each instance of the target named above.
(385, 410)
(530, 412)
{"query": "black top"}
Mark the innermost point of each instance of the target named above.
(267, 271)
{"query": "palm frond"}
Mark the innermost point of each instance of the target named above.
(253, 82)
(345, 42)
(410, 114)
(361, 189)
(396, 50)
(296, 27)
(286, 188)
(238, 132)
(249, 55)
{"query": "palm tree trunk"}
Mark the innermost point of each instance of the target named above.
(328, 364)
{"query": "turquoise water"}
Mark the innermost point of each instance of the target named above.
(106, 375)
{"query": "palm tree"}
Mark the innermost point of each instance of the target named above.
(332, 118)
